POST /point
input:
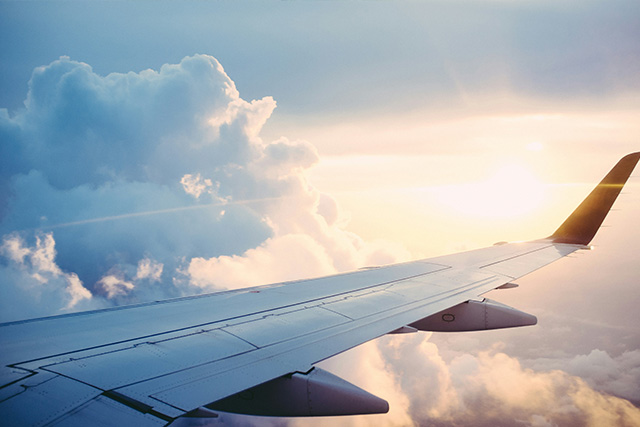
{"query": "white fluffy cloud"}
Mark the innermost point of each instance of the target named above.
(149, 269)
(158, 184)
(31, 284)
(196, 185)
(269, 263)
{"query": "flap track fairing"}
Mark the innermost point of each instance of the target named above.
(311, 394)
(475, 316)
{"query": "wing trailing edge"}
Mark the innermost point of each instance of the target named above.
(580, 227)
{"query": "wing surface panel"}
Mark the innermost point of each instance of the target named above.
(364, 305)
(273, 329)
(47, 337)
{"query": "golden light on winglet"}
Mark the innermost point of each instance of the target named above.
(582, 225)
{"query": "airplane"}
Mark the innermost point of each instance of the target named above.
(253, 351)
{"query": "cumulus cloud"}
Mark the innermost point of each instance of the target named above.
(270, 262)
(32, 284)
(115, 286)
(157, 184)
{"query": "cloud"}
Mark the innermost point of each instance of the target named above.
(149, 269)
(616, 375)
(196, 185)
(269, 263)
(32, 284)
(492, 388)
(115, 286)
(157, 184)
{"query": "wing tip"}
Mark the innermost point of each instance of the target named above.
(583, 223)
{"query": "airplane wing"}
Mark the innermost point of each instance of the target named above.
(253, 351)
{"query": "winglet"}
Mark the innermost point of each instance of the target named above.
(584, 222)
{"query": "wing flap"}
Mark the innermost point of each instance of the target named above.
(114, 369)
(104, 412)
(43, 398)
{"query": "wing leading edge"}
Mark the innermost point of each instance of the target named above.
(253, 351)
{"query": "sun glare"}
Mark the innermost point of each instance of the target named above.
(535, 146)
(512, 191)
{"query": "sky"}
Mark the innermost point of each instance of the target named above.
(158, 149)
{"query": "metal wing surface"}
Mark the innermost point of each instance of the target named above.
(153, 363)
